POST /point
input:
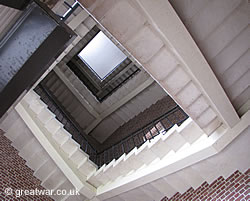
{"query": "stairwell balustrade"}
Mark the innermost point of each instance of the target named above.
(136, 139)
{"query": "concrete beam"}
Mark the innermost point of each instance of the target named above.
(164, 18)
(81, 99)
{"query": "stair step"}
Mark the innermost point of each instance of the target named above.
(94, 181)
(78, 19)
(66, 185)
(63, 95)
(177, 183)
(37, 106)
(110, 172)
(87, 168)
(31, 96)
(76, 112)
(120, 168)
(162, 186)
(7, 122)
(54, 179)
(50, 80)
(101, 176)
(191, 176)
(48, 176)
(61, 136)
(188, 94)
(79, 157)
(159, 148)
(67, 101)
(158, 62)
(198, 106)
(53, 126)
(74, 198)
(204, 170)
(67, 71)
(45, 169)
(60, 89)
(37, 159)
(188, 126)
(175, 141)
(137, 194)
(55, 86)
(131, 159)
(152, 192)
(33, 145)
(23, 138)
(11, 132)
(72, 106)
(45, 116)
(70, 146)
(176, 80)
(145, 155)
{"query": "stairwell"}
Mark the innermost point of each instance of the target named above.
(36, 158)
(180, 147)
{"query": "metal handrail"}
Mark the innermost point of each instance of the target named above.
(144, 127)
(149, 135)
(44, 93)
(136, 139)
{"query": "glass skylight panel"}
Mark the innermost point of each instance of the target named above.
(101, 55)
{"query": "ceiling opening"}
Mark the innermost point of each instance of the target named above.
(101, 65)
(102, 56)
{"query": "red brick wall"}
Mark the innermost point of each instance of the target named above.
(15, 174)
(147, 116)
(234, 188)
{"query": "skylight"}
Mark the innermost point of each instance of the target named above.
(101, 55)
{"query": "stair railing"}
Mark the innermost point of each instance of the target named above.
(158, 126)
(62, 116)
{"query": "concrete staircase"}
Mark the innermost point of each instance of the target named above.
(170, 55)
(60, 138)
(69, 151)
(31, 108)
(209, 23)
(85, 109)
(8, 16)
(58, 161)
(234, 157)
(175, 139)
(59, 154)
(37, 158)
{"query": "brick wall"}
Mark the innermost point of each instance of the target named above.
(147, 116)
(234, 188)
(15, 174)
